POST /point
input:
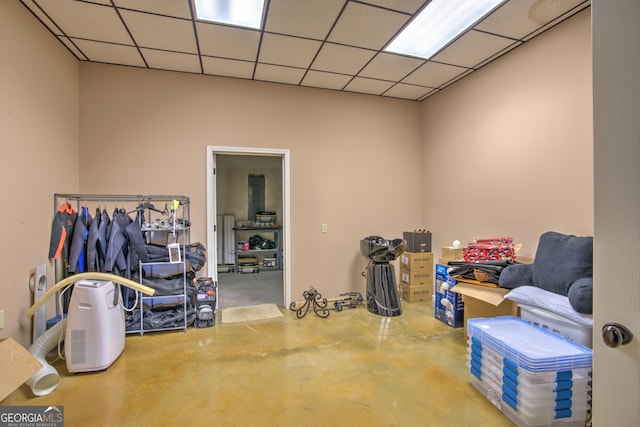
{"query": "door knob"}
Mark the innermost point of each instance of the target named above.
(614, 335)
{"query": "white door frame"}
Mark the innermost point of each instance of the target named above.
(212, 257)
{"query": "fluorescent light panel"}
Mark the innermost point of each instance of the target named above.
(241, 13)
(439, 23)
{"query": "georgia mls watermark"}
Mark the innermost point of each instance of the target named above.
(31, 416)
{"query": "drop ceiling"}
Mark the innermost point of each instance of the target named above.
(329, 44)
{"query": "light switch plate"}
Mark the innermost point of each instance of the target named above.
(1, 319)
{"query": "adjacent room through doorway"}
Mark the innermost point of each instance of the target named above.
(247, 226)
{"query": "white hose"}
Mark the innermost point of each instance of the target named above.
(46, 379)
(89, 276)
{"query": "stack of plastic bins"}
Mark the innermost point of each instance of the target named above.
(535, 377)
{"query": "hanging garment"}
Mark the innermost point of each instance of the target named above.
(97, 241)
(93, 261)
(105, 221)
(77, 253)
(136, 239)
(117, 245)
(125, 235)
(61, 232)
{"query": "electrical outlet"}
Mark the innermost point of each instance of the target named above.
(1, 319)
(324, 228)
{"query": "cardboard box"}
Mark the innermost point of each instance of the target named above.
(411, 260)
(17, 365)
(451, 253)
(442, 273)
(482, 301)
(416, 277)
(448, 306)
(269, 262)
(417, 241)
(416, 293)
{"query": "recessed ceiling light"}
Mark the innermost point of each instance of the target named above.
(439, 23)
(241, 13)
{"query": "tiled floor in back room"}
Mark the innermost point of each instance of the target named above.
(352, 368)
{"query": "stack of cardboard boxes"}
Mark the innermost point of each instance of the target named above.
(416, 267)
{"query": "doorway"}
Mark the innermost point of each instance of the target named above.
(228, 172)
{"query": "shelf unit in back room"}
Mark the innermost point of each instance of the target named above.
(253, 260)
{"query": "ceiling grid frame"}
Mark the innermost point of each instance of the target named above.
(333, 45)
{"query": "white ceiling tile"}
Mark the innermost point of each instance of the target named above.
(408, 6)
(557, 20)
(402, 90)
(178, 9)
(174, 61)
(472, 48)
(366, 26)
(227, 67)
(273, 73)
(160, 32)
(110, 53)
(290, 51)
(485, 61)
(319, 43)
(325, 80)
(518, 18)
(303, 18)
(433, 74)
(388, 66)
(362, 85)
(86, 20)
(228, 42)
(341, 59)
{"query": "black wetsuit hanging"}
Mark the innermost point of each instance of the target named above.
(61, 232)
(77, 253)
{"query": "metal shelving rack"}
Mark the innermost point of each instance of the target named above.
(277, 251)
(173, 233)
(130, 202)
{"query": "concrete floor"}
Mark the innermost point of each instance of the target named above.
(353, 368)
(237, 289)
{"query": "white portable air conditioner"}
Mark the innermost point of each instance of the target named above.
(95, 330)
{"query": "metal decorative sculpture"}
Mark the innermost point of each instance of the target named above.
(312, 299)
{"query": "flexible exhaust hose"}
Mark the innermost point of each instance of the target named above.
(92, 275)
(46, 379)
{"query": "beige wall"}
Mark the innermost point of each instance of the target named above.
(509, 149)
(351, 156)
(39, 129)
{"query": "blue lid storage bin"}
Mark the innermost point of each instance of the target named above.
(528, 346)
(533, 376)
